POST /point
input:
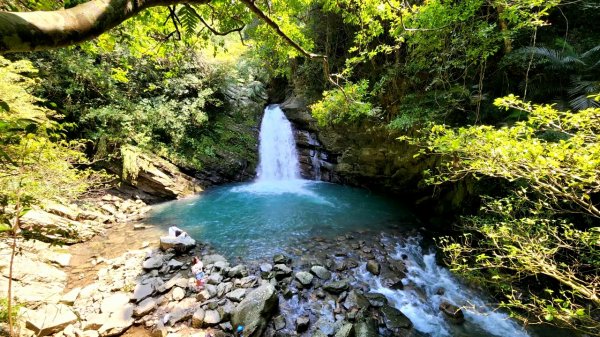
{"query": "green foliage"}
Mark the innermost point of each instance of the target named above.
(4, 310)
(346, 104)
(36, 162)
(526, 235)
(563, 74)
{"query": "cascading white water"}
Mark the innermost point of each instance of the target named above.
(277, 149)
(427, 285)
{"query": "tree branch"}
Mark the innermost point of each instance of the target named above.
(40, 30)
(264, 17)
(212, 30)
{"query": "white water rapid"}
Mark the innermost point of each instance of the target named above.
(278, 169)
(277, 149)
(426, 285)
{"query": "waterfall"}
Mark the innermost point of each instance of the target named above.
(277, 149)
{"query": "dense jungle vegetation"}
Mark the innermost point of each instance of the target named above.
(504, 93)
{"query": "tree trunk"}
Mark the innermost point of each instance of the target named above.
(30, 31)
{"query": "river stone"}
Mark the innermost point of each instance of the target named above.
(178, 294)
(452, 312)
(238, 271)
(302, 323)
(266, 267)
(225, 311)
(141, 291)
(174, 264)
(365, 329)
(237, 295)
(321, 272)
(49, 319)
(325, 325)
(279, 323)
(255, 310)
(213, 259)
(198, 318)
(214, 279)
(394, 319)
(280, 259)
(181, 243)
(211, 318)
(179, 316)
(377, 300)
(373, 267)
(282, 269)
(224, 288)
(153, 262)
(336, 287)
(356, 300)
(144, 307)
(304, 277)
(345, 331)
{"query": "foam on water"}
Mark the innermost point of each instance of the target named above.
(427, 285)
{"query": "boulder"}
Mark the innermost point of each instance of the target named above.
(356, 300)
(213, 259)
(255, 310)
(373, 267)
(346, 330)
(394, 319)
(141, 291)
(198, 318)
(302, 323)
(365, 328)
(280, 259)
(237, 295)
(304, 278)
(321, 272)
(279, 323)
(118, 321)
(377, 300)
(178, 294)
(62, 210)
(453, 313)
(153, 263)
(211, 318)
(181, 243)
(337, 287)
(49, 319)
(144, 307)
(238, 271)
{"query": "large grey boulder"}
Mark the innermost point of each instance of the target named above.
(394, 319)
(49, 319)
(181, 243)
(255, 310)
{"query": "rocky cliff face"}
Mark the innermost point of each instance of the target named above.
(366, 156)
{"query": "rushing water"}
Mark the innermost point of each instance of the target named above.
(277, 149)
(279, 210)
(427, 285)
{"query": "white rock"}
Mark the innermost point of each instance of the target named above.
(145, 307)
(179, 243)
(114, 302)
(178, 294)
(70, 297)
(49, 319)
